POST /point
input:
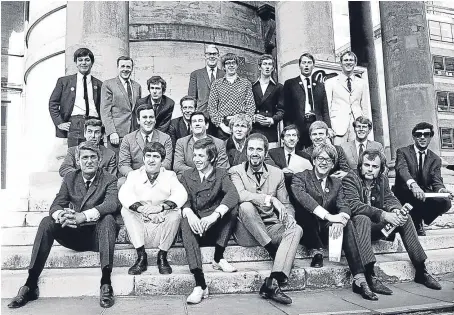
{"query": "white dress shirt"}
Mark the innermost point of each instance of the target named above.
(307, 105)
(357, 143)
(411, 180)
(215, 71)
(79, 101)
(297, 163)
(319, 211)
(123, 81)
(149, 137)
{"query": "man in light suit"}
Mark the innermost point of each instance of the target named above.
(181, 127)
(184, 150)
(354, 148)
(80, 218)
(348, 98)
(118, 98)
(152, 198)
(75, 98)
(267, 214)
(93, 133)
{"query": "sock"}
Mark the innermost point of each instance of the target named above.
(279, 276)
(106, 272)
(199, 278)
(271, 249)
(359, 278)
(218, 253)
(370, 269)
(140, 250)
(32, 280)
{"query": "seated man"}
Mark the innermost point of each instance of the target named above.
(80, 218)
(181, 127)
(240, 126)
(152, 198)
(262, 194)
(93, 132)
(417, 172)
(319, 205)
(209, 215)
(372, 203)
(318, 132)
(184, 148)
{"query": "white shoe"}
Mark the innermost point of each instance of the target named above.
(223, 265)
(197, 295)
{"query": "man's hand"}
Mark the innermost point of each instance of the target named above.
(394, 218)
(64, 126)
(80, 218)
(336, 230)
(444, 190)
(67, 218)
(156, 218)
(337, 218)
(114, 138)
(208, 221)
(339, 174)
(148, 209)
(417, 191)
(225, 128)
(287, 170)
(282, 212)
(194, 223)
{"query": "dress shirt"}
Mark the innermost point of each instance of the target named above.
(319, 211)
(149, 136)
(79, 101)
(411, 180)
(237, 145)
(357, 144)
(307, 105)
(202, 176)
(215, 71)
(297, 163)
(123, 81)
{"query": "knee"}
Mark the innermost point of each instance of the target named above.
(298, 231)
(108, 221)
(174, 216)
(247, 210)
(47, 223)
(361, 220)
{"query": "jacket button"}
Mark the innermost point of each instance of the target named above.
(266, 111)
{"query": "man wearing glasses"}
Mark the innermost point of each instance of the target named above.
(418, 172)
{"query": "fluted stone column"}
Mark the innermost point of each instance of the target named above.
(407, 62)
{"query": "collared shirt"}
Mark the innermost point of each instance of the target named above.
(215, 71)
(123, 81)
(238, 146)
(307, 105)
(297, 163)
(264, 86)
(202, 176)
(149, 136)
(79, 101)
(323, 182)
(423, 156)
(357, 144)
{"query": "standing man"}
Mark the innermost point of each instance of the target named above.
(80, 218)
(75, 98)
(418, 170)
(305, 100)
(269, 104)
(348, 98)
(181, 127)
(118, 98)
(267, 214)
(355, 148)
(229, 95)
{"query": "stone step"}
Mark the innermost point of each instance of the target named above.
(66, 282)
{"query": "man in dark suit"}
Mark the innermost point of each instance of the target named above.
(305, 100)
(163, 105)
(75, 98)
(319, 208)
(209, 215)
(417, 172)
(181, 127)
(373, 205)
(93, 133)
(80, 218)
(269, 105)
(235, 146)
(118, 97)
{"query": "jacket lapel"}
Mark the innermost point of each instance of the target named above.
(257, 89)
(316, 183)
(353, 150)
(207, 79)
(414, 162)
(91, 189)
(73, 86)
(182, 129)
(122, 89)
(95, 87)
(268, 91)
(139, 139)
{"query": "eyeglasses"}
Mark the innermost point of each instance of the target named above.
(419, 134)
(321, 159)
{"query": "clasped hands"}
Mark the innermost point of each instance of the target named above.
(150, 213)
(264, 121)
(71, 218)
(201, 225)
(395, 217)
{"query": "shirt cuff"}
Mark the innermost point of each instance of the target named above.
(439, 190)
(320, 212)
(222, 209)
(268, 200)
(185, 212)
(92, 214)
(55, 215)
(409, 182)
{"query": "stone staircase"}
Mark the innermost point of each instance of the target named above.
(70, 273)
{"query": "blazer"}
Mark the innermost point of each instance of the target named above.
(177, 130)
(61, 102)
(163, 112)
(216, 189)
(341, 164)
(352, 155)
(184, 152)
(117, 113)
(200, 86)
(382, 198)
(102, 193)
(108, 161)
(269, 104)
(131, 151)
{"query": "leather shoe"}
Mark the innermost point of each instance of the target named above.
(377, 286)
(283, 282)
(364, 290)
(420, 229)
(317, 261)
(24, 296)
(271, 290)
(106, 297)
(163, 264)
(426, 279)
(139, 266)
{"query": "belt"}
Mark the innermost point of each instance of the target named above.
(83, 116)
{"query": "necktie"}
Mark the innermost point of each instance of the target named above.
(349, 84)
(288, 159)
(87, 108)
(129, 90)
(212, 78)
(361, 149)
(147, 140)
(420, 165)
(258, 176)
(87, 184)
(321, 182)
(203, 179)
(309, 94)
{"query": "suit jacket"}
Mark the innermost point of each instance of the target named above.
(200, 86)
(341, 164)
(131, 151)
(216, 189)
(102, 193)
(108, 161)
(382, 198)
(163, 112)
(61, 102)
(117, 113)
(184, 151)
(177, 130)
(352, 155)
(269, 104)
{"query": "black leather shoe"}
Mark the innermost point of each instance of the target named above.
(364, 290)
(426, 279)
(139, 266)
(106, 297)
(23, 297)
(378, 287)
(317, 261)
(271, 290)
(283, 282)
(163, 264)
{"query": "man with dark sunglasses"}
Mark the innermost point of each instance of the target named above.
(418, 172)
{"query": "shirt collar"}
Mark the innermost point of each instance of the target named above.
(236, 79)
(303, 78)
(215, 70)
(263, 169)
(237, 145)
(80, 76)
(357, 143)
(206, 174)
(86, 180)
(344, 77)
(258, 80)
(144, 135)
(123, 81)
(417, 150)
(287, 152)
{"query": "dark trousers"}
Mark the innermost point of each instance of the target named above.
(99, 237)
(305, 140)
(115, 148)
(429, 210)
(76, 130)
(218, 234)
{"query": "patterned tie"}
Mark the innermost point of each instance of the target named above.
(87, 184)
(147, 140)
(288, 159)
(420, 165)
(309, 94)
(87, 108)
(129, 90)
(361, 149)
(349, 84)
(212, 78)
(258, 176)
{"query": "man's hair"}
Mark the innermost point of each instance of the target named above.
(423, 125)
(142, 107)
(87, 145)
(229, 56)
(241, 118)
(188, 98)
(211, 149)
(318, 124)
(155, 146)
(156, 79)
(83, 52)
(94, 123)
(124, 58)
(349, 52)
(258, 136)
(265, 57)
(308, 55)
(290, 127)
(211, 45)
(329, 149)
(362, 120)
(198, 113)
(371, 154)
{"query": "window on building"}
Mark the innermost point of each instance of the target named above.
(446, 32)
(447, 138)
(449, 64)
(439, 63)
(435, 30)
(445, 101)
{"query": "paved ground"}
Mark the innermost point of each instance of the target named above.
(408, 298)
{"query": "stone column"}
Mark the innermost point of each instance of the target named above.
(407, 62)
(362, 44)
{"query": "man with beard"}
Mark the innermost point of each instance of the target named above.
(373, 205)
(181, 127)
(417, 172)
(267, 214)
